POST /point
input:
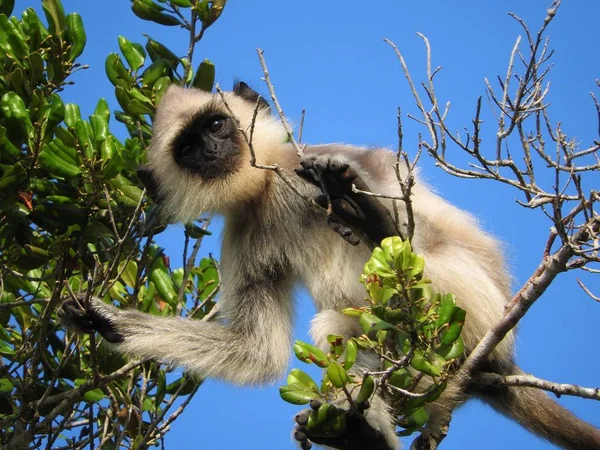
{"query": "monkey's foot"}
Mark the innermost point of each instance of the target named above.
(328, 425)
(352, 213)
(98, 317)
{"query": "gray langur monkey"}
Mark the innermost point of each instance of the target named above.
(198, 162)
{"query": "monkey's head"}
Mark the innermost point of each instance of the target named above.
(198, 159)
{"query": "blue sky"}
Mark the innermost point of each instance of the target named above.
(328, 58)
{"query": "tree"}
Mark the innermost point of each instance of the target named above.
(76, 222)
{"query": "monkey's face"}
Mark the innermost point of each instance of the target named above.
(198, 158)
(209, 146)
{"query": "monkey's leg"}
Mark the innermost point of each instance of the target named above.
(251, 347)
(372, 426)
(440, 414)
(357, 434)
(352, 212)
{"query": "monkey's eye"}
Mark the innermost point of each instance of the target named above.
(216, 124)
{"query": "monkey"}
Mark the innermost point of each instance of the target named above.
(273, 238)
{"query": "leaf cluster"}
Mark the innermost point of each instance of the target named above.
(73, 220)
(414, 331)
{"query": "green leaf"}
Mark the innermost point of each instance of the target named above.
(134, 53)
(6, 7)
(366, 390)
(181, 3)
(296, 394)
(157, 50)
(351, 353)
(209, 13)
(452, 351)
(94, 396)
(72, 114)
(393, 247)
(36, 68)
(300, 378)
(129, 272)
(456, 325)
(102, 110)
(100, 128)
(153, 14)
(5, 385)
(155, 71)
(370, 322)
(13, 178)
(164, 286)
(14, 110)
(335, 345)
(205, 76)
(160, 87)
(84, 134)
(55, 14)
(75, 35)
(34, 28)
(337, 375)
(353, 312)
(56, 114)
(417, 419)
(309, 353)
(401, 378)
(110, 66)
(196, 232)
(378, 265)
(425, 365)
(113, 163)
(445, 310)
(15, 40)
(53, 160)
(418, 264)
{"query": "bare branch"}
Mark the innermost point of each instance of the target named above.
(558, 389)
(284, 122)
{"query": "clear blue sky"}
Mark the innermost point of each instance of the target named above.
(328, 57)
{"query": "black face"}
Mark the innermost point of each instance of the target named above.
(208, 146)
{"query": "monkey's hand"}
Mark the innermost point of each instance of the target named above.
(352, 213)
(328, 425)
(98, 317)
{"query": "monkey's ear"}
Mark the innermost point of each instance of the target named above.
(146, 176)
(241, 89)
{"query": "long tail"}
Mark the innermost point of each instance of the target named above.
(537, 412)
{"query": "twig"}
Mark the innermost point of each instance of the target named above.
(558, 389)
(284, 122)
(587, 291)
(274, 167)
(301, 128)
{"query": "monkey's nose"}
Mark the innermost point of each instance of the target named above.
(211, 153)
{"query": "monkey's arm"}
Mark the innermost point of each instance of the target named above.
(353, 213)
(250, 347)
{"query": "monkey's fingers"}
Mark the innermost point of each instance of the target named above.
(343, 207)
(74, 317)
(343, 231)
(300, 430)
(314, 167)
(357, 434)
(300, 436)
(81, 320)
(323, 163)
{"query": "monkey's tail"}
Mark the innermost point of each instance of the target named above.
(537, 412)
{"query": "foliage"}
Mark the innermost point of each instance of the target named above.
(414, 331)
(72, 221)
